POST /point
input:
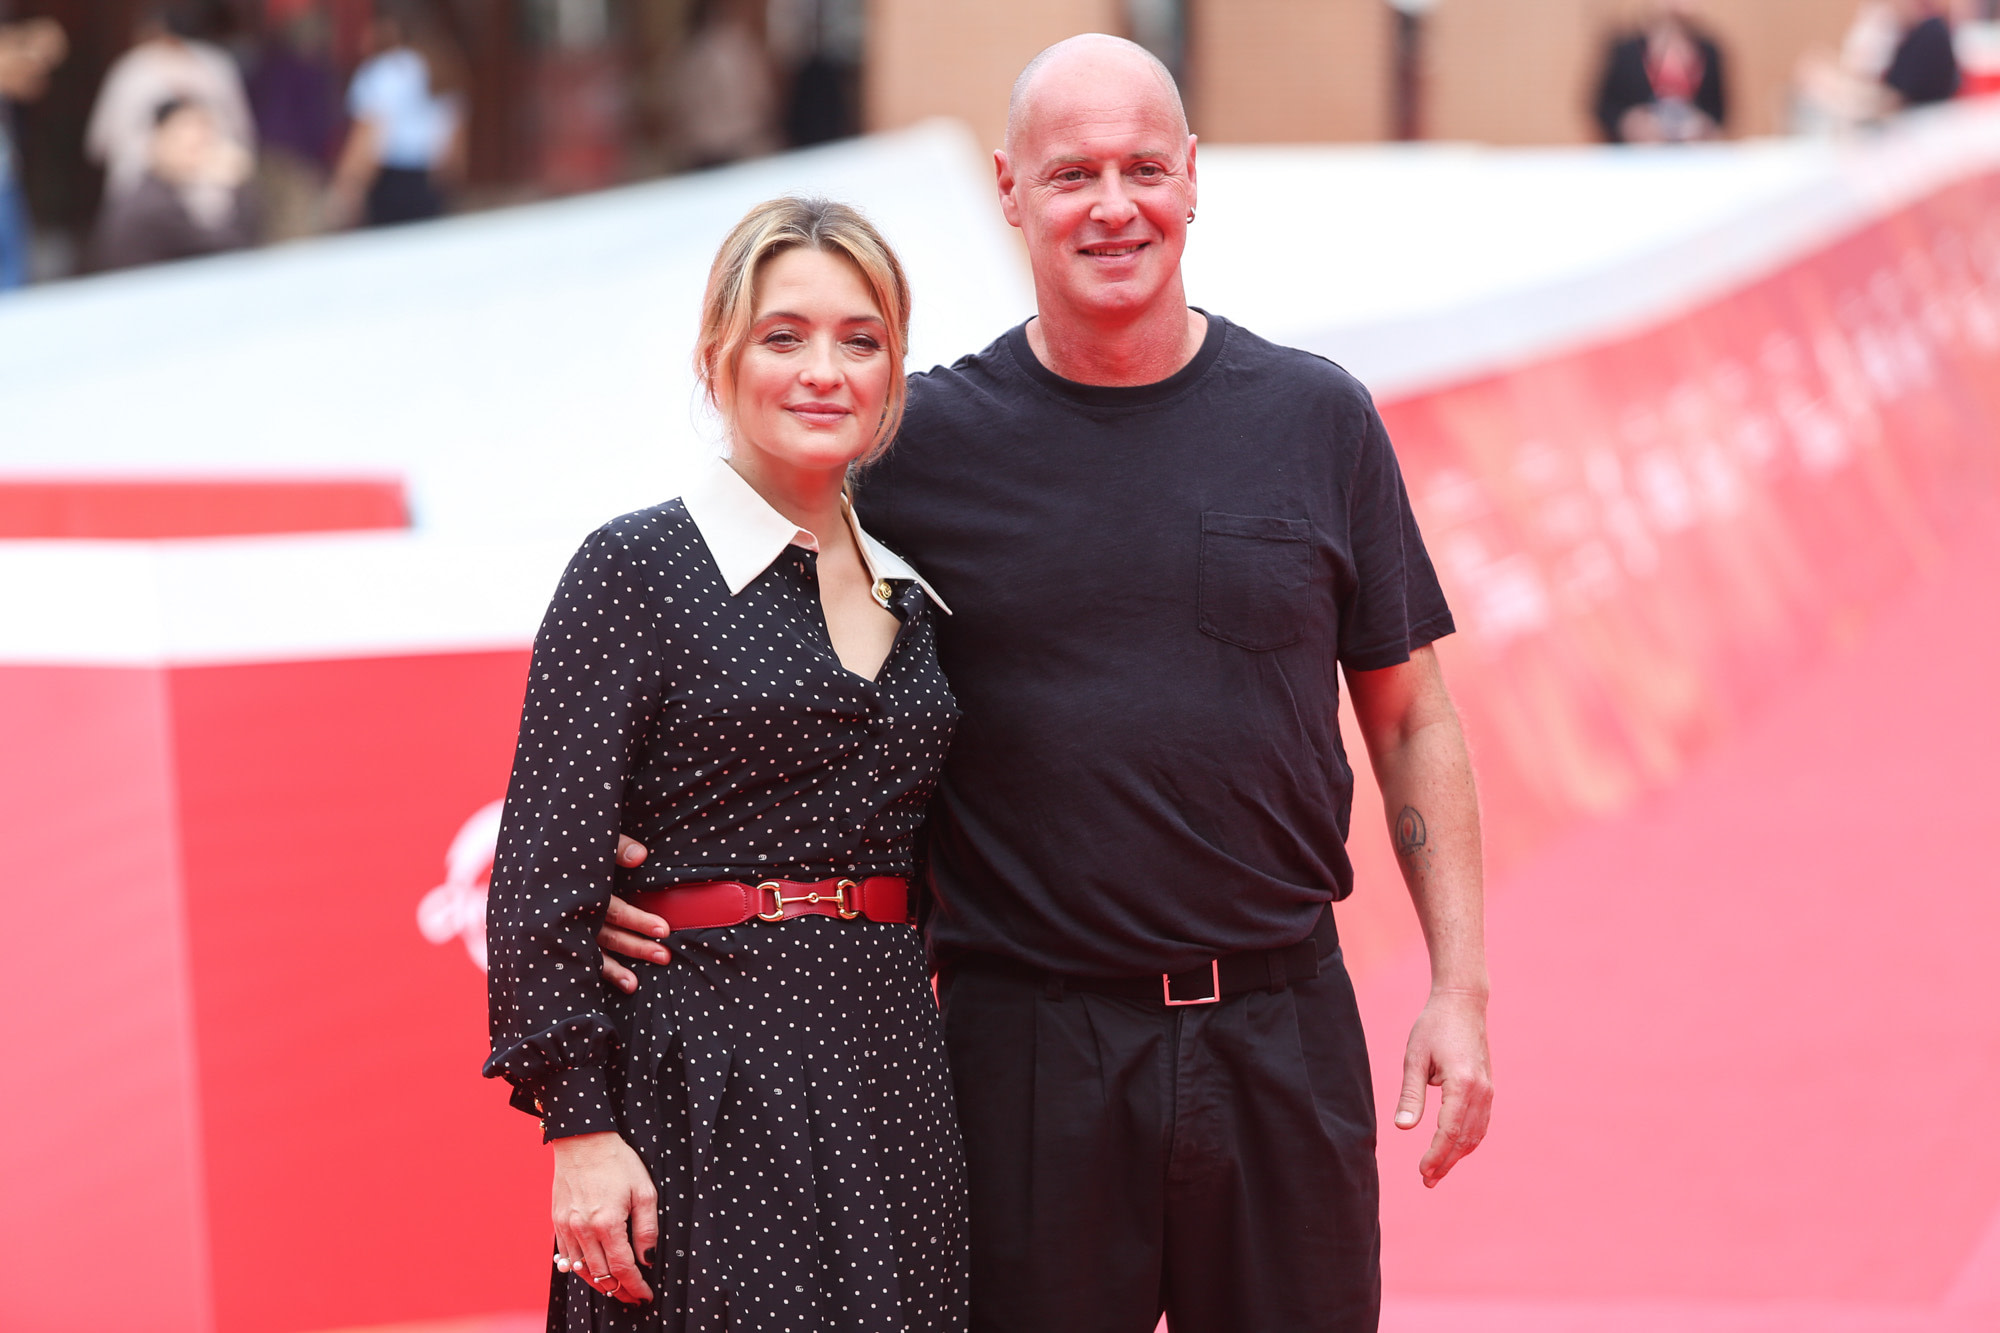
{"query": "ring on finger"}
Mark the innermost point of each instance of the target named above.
(562, 1263)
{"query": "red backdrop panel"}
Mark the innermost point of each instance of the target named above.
(359, 1169)
(99, 1135)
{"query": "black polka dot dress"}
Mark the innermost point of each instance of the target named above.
(784, 1082)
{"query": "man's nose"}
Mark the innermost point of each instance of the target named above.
(1114, 207)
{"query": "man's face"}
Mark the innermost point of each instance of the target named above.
(1100, 178)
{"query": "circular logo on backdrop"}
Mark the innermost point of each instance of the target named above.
(456, 909)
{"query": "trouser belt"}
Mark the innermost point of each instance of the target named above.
(1213, 981)
(728, 902)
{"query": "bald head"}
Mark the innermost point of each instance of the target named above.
(1084, 61)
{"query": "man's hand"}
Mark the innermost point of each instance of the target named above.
(1448, 1049)
(605, 1209)
(629, 931)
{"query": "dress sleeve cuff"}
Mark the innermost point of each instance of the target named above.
(576, 1101)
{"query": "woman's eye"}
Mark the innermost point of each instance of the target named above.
(864, 343)
(783, 338)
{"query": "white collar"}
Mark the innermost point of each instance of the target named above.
(745, 534)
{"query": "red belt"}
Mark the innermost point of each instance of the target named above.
(728, 902)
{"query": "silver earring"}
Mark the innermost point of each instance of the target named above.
(1190, 215)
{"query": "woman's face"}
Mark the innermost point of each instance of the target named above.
(813, 378)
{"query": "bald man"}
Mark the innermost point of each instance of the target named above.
(1164, 539)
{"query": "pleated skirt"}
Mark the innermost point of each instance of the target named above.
(785, 1084)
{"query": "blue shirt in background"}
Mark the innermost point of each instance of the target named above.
(392, 92)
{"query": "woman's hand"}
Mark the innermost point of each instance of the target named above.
(628, 930)
(601, 1188)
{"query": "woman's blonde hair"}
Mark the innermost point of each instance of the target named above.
(728, 307)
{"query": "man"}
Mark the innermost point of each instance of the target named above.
(1663, 83)
(1158, 534)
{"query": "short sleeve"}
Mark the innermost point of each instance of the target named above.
(593, 689)
(1393, 605)
(381, 90)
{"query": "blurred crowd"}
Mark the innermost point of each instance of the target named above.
(221, 124)
(136, 131)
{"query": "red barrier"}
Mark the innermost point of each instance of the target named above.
(1645, 539)
(125, 508)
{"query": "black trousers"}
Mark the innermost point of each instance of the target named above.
(1124, 1159)
(400, 194)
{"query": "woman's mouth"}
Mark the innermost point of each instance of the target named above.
(819, 414)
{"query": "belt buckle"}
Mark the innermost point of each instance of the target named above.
(778, 900)
(846, 899)
(1214, 995)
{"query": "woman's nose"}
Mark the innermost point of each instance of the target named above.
(822, 364)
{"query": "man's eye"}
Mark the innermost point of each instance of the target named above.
(1148, 169)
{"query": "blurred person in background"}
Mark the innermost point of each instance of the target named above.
(406, 142)
(170, 62)
(295, 95)
(819, 44)
(1664, 83)
(29, 54)
(725, 91)
(193, 198)
(1894, 55)
(762, 1136)
(1924, 67)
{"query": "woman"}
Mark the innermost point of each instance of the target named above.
(408, 138)
(747, 676)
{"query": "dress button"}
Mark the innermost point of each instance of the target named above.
(884, 591)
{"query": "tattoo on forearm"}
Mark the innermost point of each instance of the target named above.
(1411, 835)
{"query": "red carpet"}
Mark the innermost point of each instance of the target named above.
(1746, 1035)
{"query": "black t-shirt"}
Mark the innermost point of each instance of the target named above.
(1151, 588)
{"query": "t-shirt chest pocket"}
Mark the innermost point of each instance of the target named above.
(1256, 579)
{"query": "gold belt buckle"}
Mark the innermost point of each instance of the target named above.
(1214, 995)
(777, 892)
(845, 907)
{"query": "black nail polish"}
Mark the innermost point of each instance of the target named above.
(649, 1256)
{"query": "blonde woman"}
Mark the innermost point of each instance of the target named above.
(761, 1136)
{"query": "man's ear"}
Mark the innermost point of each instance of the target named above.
(1192, 139)
(1003, 177)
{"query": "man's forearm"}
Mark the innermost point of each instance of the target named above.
(1425, 775)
